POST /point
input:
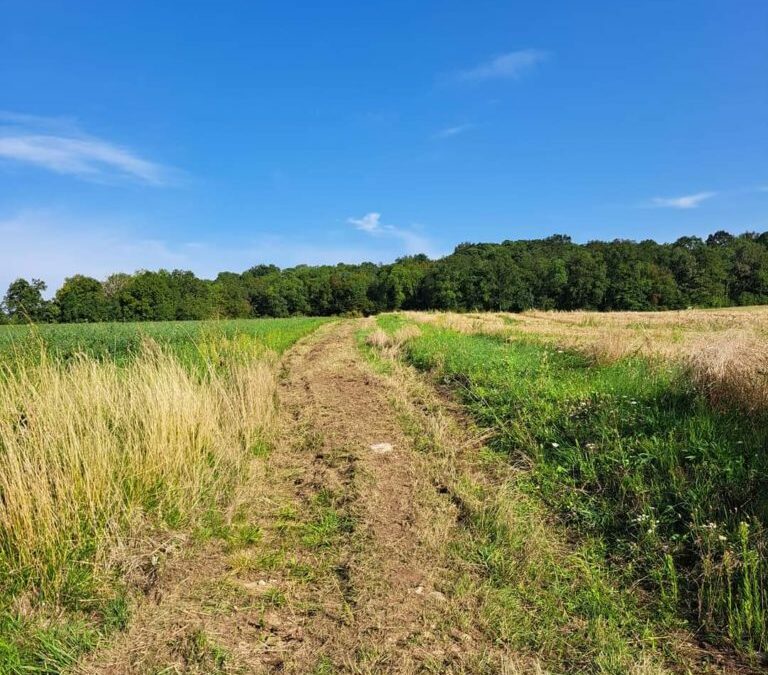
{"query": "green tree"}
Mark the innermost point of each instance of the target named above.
(24, 302)
(193, 298)
(146, 296)
(81, 299)
(230, 295)
(587, 281)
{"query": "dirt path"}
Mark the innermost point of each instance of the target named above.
(390, 566)
(348, 572)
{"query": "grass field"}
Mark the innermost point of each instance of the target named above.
(114, 436)
(592, 498)
(647, 434)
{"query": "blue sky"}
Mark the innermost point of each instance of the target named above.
(213, 136)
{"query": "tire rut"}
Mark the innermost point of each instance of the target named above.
(390, 565)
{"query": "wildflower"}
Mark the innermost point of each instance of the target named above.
(555, 445)
(722, 537)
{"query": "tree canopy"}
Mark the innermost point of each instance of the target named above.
(551, 273)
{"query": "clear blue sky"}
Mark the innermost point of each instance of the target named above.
(219, 135)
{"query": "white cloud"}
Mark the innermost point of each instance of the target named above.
(453, 131)
(684, 202)
(57, 145)
(413, 241)
(370, 222)
(53, 245)
(511, 65)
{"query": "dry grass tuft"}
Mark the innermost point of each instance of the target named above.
(384, 342)
(91, 450)
(378, 339)
(406, 333)
(732, 369)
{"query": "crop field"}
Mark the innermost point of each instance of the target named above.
(415, 492)
(119, 341)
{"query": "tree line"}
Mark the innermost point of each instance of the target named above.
(551, 273)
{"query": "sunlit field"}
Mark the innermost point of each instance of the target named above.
(645, 433)
(112, 437)
(610, 503)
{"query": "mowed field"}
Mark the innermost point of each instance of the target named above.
(415, 492)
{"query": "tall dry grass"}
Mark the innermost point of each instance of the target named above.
(608, 336)
(90, 449)
(731, 368)
(485, 323)
(725, 351)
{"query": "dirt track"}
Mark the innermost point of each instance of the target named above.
(349, 574)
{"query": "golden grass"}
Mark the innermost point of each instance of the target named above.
(378, 339)
(383, 341)
(724, 350)
(90, 448)
(731, 368)
(611, 335)
(488, 324)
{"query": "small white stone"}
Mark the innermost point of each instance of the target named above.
(382, 448)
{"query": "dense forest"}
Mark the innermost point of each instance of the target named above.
(552, 273)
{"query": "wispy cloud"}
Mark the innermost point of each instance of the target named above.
(370, 222)
(448, 132)
(52, 244)
(57, 145)
(684, 202)
(413, 241)
(512, 65)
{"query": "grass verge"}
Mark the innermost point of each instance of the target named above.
(665, 490)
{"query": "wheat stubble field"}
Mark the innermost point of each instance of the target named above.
(415, 492)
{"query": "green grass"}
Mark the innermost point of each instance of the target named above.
(671, 495)
(391, 322)
(119, 341)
